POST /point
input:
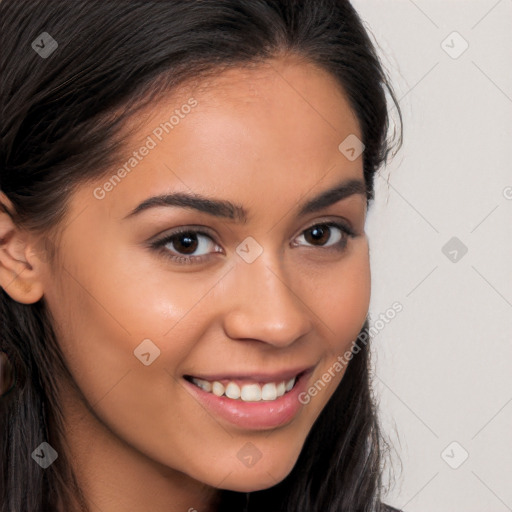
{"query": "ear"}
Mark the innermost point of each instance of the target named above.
(20, 268)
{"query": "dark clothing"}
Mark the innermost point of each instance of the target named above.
(388, 508)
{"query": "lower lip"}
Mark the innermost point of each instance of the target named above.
(254, 415)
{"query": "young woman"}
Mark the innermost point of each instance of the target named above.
(184, 270)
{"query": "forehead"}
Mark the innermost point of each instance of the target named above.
(261, 133)
(287, 92)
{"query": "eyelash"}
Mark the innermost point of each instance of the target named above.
(159, 245)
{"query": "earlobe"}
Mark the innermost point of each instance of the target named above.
(18, 277)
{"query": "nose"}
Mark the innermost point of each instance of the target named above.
(265, 306)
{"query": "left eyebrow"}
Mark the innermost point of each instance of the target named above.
(228, 210)
(333, 195)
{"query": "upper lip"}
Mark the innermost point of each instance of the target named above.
(279, 376)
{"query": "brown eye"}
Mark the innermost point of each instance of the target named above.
(187, 246)
(321, 235)
(185, 243)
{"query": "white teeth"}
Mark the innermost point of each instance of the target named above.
(269, 391)
(218, 388)
(203, 384)
(248, 392)
(232, 390)
(289, 384)
(251, 393)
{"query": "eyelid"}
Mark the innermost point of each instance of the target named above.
(202, 230)
(329, 219)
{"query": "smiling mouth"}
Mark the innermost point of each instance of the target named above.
(246, 391)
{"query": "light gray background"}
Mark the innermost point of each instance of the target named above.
(443, 365)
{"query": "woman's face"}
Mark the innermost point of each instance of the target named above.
(259, 301)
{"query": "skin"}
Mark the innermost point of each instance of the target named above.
(266, 138)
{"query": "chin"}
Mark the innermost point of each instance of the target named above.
(256, 479)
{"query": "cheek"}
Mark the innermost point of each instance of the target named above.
(340, 297)
(98, 331)
(342, 306)
(102, 317)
